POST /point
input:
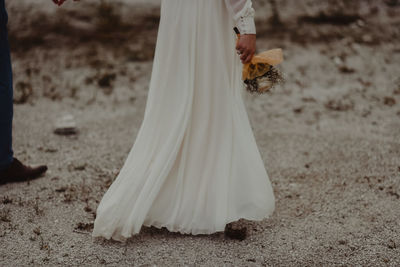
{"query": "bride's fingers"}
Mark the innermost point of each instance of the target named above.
(239, 46)
(244, 55)
(248, 59)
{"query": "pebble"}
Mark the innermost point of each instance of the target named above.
(66, 125)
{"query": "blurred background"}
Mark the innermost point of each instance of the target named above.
(88, 49)
(106, 36)
(329, 136)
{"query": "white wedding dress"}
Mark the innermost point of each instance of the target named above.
(195, 165)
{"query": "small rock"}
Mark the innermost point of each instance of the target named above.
(61, 189)
(298, 110)
(389, 101)
(360, 23)
(37, 231)
(342, 104)
(88, 209)
(23, 91)
(367, 38)
(66, 126)
(105, 82)
(84, 226)
(346, 69)
(392, 244)
(80, 167)
(338, 61)
(51, 150)
(365, 113)
(7, 200)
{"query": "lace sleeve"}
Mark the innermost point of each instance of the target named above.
(243, 14)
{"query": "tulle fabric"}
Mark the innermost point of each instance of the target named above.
(194, 165)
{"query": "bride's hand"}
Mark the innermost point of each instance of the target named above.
(246, 47)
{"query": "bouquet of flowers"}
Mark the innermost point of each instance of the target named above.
(260, 75)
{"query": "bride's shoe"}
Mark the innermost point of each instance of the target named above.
(240, 233)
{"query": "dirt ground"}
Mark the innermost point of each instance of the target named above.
(329, 136)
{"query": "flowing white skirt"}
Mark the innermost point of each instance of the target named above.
(195, 165)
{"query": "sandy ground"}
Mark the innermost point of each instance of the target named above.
(329, 137)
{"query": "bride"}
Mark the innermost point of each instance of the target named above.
(194, 166)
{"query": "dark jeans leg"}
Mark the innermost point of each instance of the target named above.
(6, 93)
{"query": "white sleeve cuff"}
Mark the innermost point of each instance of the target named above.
(246, 25)
(245, 19)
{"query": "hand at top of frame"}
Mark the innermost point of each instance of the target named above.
(60, 2)
(246, 47)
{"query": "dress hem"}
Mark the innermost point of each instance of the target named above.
(186, 231)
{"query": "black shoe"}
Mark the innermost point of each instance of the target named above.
(239, 234)
(18, 172)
